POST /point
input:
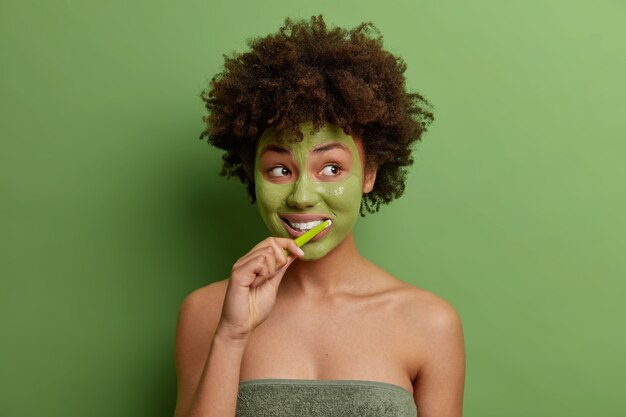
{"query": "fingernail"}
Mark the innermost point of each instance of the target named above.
(300, 252)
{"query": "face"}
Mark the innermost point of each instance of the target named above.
(300, 184)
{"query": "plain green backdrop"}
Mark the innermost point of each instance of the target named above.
(113, 210)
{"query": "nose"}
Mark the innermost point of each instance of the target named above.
(303, 194)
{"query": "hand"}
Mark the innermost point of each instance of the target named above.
(253, 285)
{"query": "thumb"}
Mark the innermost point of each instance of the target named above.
(278, 277)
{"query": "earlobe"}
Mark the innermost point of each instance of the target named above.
(369, 180)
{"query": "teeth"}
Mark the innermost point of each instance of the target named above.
(302, 227)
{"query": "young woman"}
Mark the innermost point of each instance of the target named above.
(317, 123)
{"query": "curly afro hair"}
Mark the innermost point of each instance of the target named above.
(307, 72)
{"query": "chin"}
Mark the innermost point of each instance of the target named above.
(312, 256)
(313, 252)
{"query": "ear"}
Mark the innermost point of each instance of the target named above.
(369, 179)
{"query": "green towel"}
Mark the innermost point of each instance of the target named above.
(323, 398)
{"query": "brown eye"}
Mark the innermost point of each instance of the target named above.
(331, 170)
(279, 172)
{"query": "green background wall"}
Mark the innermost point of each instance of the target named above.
(112, 209)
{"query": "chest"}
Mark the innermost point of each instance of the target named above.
(308, 343)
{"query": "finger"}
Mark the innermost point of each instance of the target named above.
(277, 275)
(279, 244)
(290, 246)
(251, 255)
(270, 260)
(267, 253)
(277, 278)
(262, 277)
(265, 242)
(247, 273)
(290, 260)
(283, 242)
(261, 268)
(279, 253)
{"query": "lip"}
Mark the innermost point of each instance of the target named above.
(304, 218)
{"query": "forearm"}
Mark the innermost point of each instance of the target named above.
(216, 393)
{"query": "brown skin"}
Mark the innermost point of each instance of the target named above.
(339, 317)
(390, 332)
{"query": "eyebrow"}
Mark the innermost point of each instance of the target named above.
(320, 149)
(329, 147)
(275, 148)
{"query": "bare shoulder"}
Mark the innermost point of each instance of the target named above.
(438, 353)
(427, 312)
(429, 321)
(418, 306)
(198, 317)
(199, 314)
(420, 312)
(205, 300)
(434, 330)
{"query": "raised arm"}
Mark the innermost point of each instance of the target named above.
(214, 325)
(203, 357)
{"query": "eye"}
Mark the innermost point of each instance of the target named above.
(331, 170)
(279, 172)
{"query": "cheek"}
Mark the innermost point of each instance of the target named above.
(270, 196)
(345, 196)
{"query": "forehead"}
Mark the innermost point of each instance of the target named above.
(327, 134)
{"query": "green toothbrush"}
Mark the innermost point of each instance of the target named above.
(310, 234)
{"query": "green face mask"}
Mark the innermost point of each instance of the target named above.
(299, 184)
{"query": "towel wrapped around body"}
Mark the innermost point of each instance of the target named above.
(323, 398)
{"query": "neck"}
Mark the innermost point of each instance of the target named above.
(336, 273)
